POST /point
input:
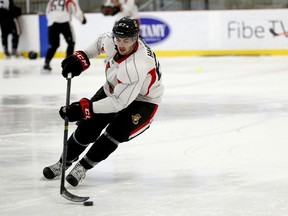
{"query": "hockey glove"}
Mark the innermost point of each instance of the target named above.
(75, 64)
(109, 10)
(84, 21)
(17, 11)
(77, 110)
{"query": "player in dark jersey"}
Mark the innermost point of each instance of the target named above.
(9, 24)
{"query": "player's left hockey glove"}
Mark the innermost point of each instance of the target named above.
(75, 64)
(77, 110)
(84, 21)
(109, 10)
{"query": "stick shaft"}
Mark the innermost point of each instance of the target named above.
(66, 125)
(63, 191)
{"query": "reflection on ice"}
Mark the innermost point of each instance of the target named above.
(218, 145)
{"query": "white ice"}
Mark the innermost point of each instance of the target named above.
(218, 146)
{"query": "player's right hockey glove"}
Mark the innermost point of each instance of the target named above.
(75, 64)
(77, 110)
(16, 11)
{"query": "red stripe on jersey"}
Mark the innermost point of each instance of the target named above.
(153, 79)
(107, 65)
(50, 6)
(67, 4)
(145, 123)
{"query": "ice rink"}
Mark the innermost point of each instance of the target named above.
(217, 147)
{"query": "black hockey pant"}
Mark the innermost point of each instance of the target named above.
(54, 32)
(120, 127)
(10, 27)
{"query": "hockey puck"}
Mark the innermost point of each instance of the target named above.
(32, 55)
(88, 203)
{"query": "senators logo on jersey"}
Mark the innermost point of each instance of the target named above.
(136, 118)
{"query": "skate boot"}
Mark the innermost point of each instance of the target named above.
(46, 68)
(76, 175)
(15, 53)
(54, 170)
(6, 53)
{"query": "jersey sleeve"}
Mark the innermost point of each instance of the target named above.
(73, 7)
(103, 44)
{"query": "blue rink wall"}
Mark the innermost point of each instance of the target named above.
(177, 33)
(43, 31)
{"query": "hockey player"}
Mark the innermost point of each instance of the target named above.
(121, 8)
(9, 23)
(59, 14)
(125, 106)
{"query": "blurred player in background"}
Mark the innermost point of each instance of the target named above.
(123, 108)
(59, 15)
(9, 23)
(121, 8)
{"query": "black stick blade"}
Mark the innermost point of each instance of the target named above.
(74, 198)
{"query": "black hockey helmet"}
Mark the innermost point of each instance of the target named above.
(126, 27)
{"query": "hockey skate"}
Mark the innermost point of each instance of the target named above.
(15, 54)
(76, 175)
(6, 54)
(46, 68)
(53, 171)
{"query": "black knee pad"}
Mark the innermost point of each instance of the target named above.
(75, 148)
(54, 44)
(87, 131)
(15, 40)
(101, 149)
(71, 44)
(119, 133)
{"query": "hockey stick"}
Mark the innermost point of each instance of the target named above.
(277, 34)
(63, 191)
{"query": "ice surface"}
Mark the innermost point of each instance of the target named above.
(218, 146)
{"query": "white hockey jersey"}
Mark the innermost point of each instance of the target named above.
(128, 8)
(61, 11)
(133, 77)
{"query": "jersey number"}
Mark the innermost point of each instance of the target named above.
(58, 5)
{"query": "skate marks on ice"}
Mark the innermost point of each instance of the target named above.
(217, 146)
